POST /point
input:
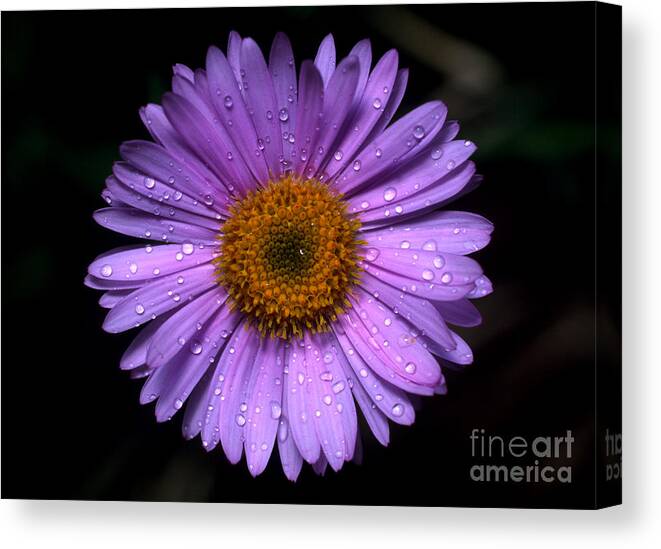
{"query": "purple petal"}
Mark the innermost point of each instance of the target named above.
(198, 412)
(200, 353)
(290, 457)
(337, 104)
(396, 341)
(460, 313)
(420, 313)
(377, 422)
(431, 275)
(319, 466)
(106, 285)
(243, 353)
(396, 145)
(264, 405)
(140, 202)
(391, 400)
(148, 262)
(181, 329)
(133, 222)
(233, 113)
(167, 195)
(300, 403)
(210, 141)
(431, 167)
(158, 297)
(325, 59)
(310, 105)
(112, 297)
(283, 73)
(354, 337)
(394, 98)
(452, 232)
(158, 163)
(136, 353)
(327, 416)
(262, 104)
(369, 110)
(363, 52)
(460, 353)
(234, 54)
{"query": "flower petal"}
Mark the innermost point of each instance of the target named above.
(393, 147)
(264, 405)
(325, 59)
(395, 96)
(328, 411)
(148, 262)
(300, 403)
(169, 197)
(368, 112)
(310, 105)
(337, 103)
(159, 163)
(199, 356)
(431, 275)
(262, 104)
(354, 337)
(418, 312)
(459, 233)
(427, 169)
(283, 73)
(143, 225)
(290, 457)
(233, 113)
(112, 297)
(181, 329)
(393, 339)
(460, 313)
(136, 353)
(158, 297)
(146, 204)
(391, 400)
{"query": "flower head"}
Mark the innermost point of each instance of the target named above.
(299, 263)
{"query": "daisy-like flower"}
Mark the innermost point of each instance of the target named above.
(300, 264)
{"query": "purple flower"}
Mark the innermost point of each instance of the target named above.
(300, 263)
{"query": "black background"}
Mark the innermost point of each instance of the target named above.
(521, 80)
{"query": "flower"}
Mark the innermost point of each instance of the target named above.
(301, 264)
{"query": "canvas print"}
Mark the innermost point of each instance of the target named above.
(331, 255)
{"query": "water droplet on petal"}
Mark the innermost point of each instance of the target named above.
(418, 132)
(106, 270)
(283, 115)
(139, 309)
(376, 103)
(438, 262)
(397, 410)
(389, 194)
(427, 274)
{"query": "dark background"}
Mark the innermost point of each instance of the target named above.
(521, 80)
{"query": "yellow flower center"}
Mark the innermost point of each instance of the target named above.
(289, 256)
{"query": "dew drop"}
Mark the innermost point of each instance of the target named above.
(438, 262)
(187, 248)
(356, 166)
(428, 274)
(397, 410)
(446, 278)
(389, 194)
(418, 132)
(376, 103)
(372, 254)
(240, 420)
(139, 309)
(410, 368)
(283, 114)
(106, 270)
